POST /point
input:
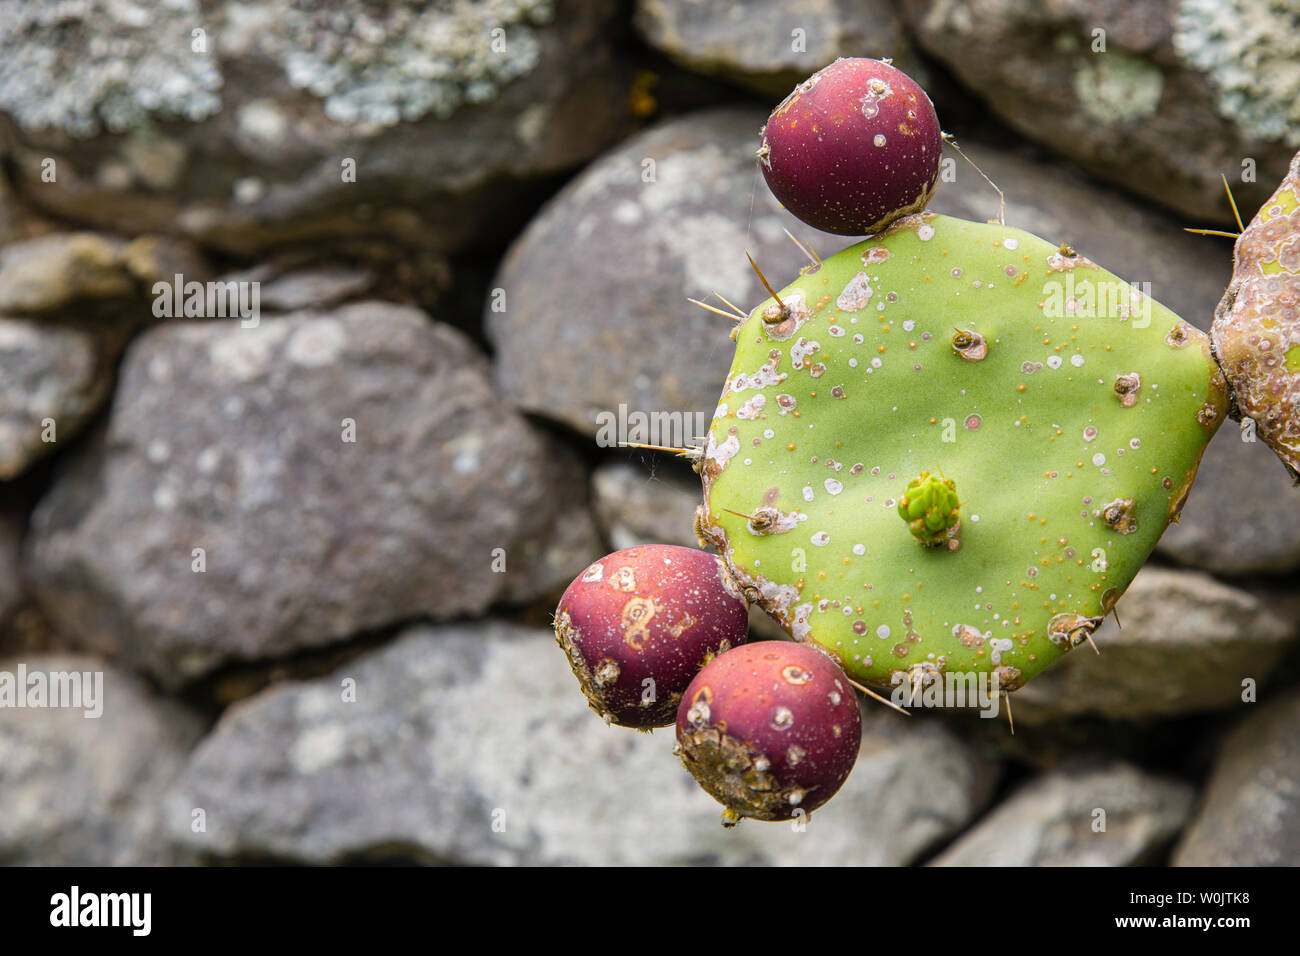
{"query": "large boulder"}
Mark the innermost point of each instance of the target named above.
(245, 125)
(1106, 815)
(472, 744)
(1251, 811)
(266, 489)
(85, 790)
(1161, 97)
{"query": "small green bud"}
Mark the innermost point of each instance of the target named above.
(930, 507)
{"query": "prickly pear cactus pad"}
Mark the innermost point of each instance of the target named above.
(1064, 410)
(1257, 325)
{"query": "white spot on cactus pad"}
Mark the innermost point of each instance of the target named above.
(821, 539)
(753, 408)
(594, 573)
(786, 403)
(764, 376)
(856, 294)
(1011, 243)
(799, 626)
(801, 351)
(807, 493)
(925, 232)
(834, 486)
(997, 645)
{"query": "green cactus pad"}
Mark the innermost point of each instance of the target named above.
(1070, 410)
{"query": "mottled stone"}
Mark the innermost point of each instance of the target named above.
(52, 379)
(771, 45)
(86, 791)
(249, 124)
(1250, 815)
(420, 768)
(340, 471)
(1169, 96)
(1057, 819)
(595, 313)
(1187, 644)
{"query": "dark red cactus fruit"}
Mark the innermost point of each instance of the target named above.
(854, 147)
(770, 730)
(639, 624)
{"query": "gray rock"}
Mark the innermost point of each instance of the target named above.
(1053, 821)
(1183, 92)
(1187, 643)
(1186, 273)
(472, 744)
(86, 791)
(770, 45)
(639, 505)
(595, 290)
(52, 379)
(315, 288)
(238, 441)
(1232, 523)
(301, 123)
(1251, 810)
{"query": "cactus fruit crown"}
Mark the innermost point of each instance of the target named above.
(1071, 410)
(929, 505)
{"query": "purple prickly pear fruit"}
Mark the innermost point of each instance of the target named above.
(853, 148)
(638, 624)
(770, 730)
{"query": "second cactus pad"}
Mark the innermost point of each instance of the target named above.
(1063, 410)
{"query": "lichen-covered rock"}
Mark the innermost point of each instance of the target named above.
(1224, 531)
(770, 45)
(52, 379)
(417, 768)
(593, 313)
(1108, 815)
(248, 124)
(1068, 408)
(1158, 97)
(86, 791)
(261, 490)
(1187, 644)
(1251, 811)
